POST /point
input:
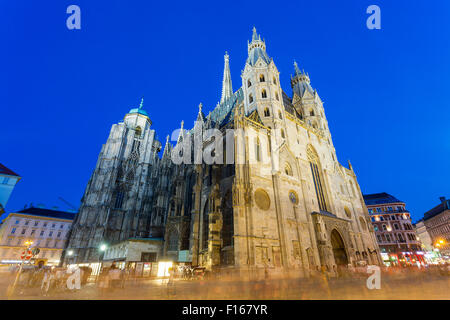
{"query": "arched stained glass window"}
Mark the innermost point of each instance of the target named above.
(314, 164)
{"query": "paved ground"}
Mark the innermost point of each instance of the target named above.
(422, 286)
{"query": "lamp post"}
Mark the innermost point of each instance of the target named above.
(70, 254)
(28, 244)
(102, 248)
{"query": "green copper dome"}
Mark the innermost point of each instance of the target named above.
(139, 110)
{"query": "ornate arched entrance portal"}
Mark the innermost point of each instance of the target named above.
(340, 256)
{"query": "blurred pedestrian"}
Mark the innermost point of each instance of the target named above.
(103, 281)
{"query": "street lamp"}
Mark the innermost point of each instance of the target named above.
(102, 249)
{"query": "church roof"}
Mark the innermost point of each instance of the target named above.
(302, 86)
(140, 109)
(288, 106)
(255, 54)
(222, 112)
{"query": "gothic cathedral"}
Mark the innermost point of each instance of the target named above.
(276, 198)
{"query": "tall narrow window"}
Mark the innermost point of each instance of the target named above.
(250, 98)
(274, 80)
(266, 112)
(205, 226)
(263, 93)
(249, 83)
(261, 78)
(258, 150)
(318, 185)
(119, 200)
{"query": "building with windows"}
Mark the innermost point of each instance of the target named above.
(437, 223)
(423, 235)
(393, 229)
(274, 195)
(47, 229)
(8, 180)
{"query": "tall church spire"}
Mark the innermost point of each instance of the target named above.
(227, 88)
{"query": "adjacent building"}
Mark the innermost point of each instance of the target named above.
(393, 229)
(437, 223)
(277, 198)
(423, 235)
(8, 180)
(47, 229)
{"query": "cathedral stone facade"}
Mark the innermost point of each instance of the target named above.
(274, 196)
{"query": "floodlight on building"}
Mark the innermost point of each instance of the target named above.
(70, 252)
(103, 247)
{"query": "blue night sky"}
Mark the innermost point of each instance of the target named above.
(385, 92)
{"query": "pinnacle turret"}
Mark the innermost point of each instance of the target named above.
(167, 148)
(300, 82)
(257, 49)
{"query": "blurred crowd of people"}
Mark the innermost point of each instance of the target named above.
(322, 283)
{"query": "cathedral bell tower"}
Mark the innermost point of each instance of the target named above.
(261, 88)
(117, 189)
(261, 84)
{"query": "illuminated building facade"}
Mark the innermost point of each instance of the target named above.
(437, 223)
(283, 202)
(48, 229)
(393, 229)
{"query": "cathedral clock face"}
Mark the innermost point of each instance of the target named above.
(293, 197)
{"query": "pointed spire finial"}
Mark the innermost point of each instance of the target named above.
(227, 88)
(142, 103)
(297, 70)
(255, 34)
(350, 165)
(167, 139)
(182, 124)
(200, 106)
